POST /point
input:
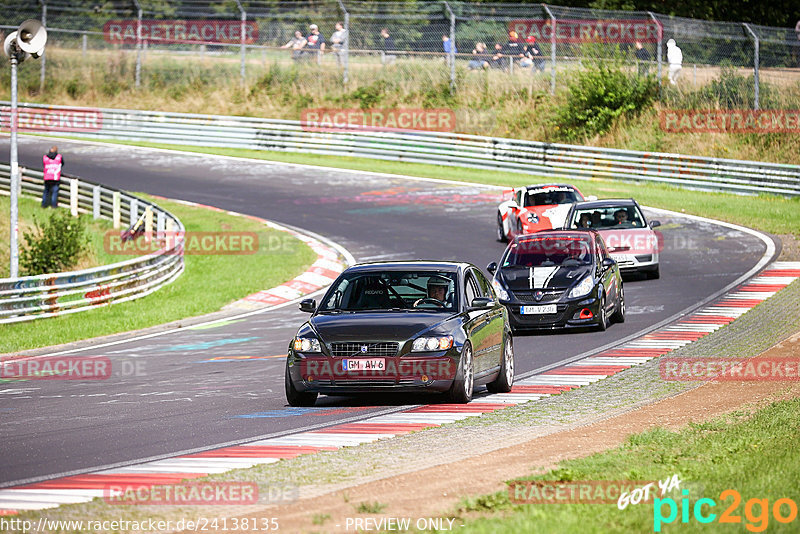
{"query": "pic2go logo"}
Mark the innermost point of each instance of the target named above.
(756, 511)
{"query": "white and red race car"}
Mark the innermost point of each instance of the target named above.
(534, 208)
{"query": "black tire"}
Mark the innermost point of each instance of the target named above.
(619, 314)
(501, 234)
(464, 383)
(655, 274)
(504, 380)
(294, 397)
(602, 320)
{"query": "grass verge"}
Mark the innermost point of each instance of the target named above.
(709, 458)
(279, 258)
(769, 213)
(30, 211)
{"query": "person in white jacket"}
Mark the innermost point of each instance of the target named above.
(675, 59)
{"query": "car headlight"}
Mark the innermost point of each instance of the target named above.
(306, 344)
(582, 289)
(533, 218)
(498, 287)
(427, 344)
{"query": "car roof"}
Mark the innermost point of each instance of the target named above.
(606, 203)
(550, 186)
(449, 266)
(565, 234)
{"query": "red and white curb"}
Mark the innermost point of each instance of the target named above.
(84, 488)
(327, 267)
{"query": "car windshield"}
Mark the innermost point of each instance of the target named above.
(392, 290)
(549, 252)
(612, 217)
(558, 195)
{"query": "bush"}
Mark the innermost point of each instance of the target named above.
(730, 91)
(598, 96)
(57, 246)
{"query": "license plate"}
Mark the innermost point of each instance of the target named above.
(620, 258)
(538, 310)
(364, 364)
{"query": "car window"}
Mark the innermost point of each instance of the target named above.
(388, 290)
(484, 286)
(561, 195)
(549, 252)
(612, 217)
(601, 249)
(470, 288)
(519, 197)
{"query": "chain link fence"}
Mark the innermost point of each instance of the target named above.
(356, 44)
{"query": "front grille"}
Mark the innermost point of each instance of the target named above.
(643, 258)
(354, 349)
(528, 296)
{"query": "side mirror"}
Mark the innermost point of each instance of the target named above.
(481, 303)
(608, 263)
(653, 224)
(308, 305)
(492, 267)
(591, 197)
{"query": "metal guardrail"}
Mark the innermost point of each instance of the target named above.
(556, 161)
(34, 297)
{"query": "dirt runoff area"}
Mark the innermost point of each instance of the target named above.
(429, 494)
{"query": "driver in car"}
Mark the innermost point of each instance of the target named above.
(437, 290)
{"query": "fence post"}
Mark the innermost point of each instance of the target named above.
(73, 196)
(552, 49)
(660, 47)
(84, 43)
(44, 23)
(96, 202)
(160, 224)
(148, 224)
(138, 75)
(133, 214)
(242, 68)
(755, 63)
(345, 51)
(115, 210)
(452, 55)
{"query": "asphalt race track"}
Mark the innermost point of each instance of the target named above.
(185, 390)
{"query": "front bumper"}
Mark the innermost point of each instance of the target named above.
(403, 374)
(630, 263)
(566, 316)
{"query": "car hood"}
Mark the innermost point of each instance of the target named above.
(375, 326)
(523, 278)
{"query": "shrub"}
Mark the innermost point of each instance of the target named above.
(54, 247)
(598, 96)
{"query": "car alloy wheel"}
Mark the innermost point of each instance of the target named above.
(501, 233)
(461, 390)
(602, 321)
(619, 315)
(505, 378)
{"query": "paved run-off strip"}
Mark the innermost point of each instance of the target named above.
(84, 488)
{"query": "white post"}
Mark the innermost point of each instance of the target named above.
(73, 196)
(116, 214)
(134, 211)
(96, 202)
(148, 224)
(160, 224)
(84, 44)
(14, 177)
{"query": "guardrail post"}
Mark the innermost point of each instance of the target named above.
(133, 214)
(84, 44)
(148, 224)
(160, 224)
(73, 196)
(170, 238)
(96, 202)
(115, 210)
(552, 49)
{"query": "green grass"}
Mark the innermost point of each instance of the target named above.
(370, 507)
(754, 454)
(279, 258)
(30, 211)
(770, 213)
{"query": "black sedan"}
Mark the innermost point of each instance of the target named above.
(559, 279)
(402, 327)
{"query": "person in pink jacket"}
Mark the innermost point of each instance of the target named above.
(52, 163)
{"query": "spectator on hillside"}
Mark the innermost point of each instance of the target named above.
(448, 45)
(480, 58)
(388, 47)
(642, 59)
(339, 42)
(513, 49)
(316, 42)
(498, 60)
(535, 53)
(297, 44)
(52, 162)
(675, 60)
